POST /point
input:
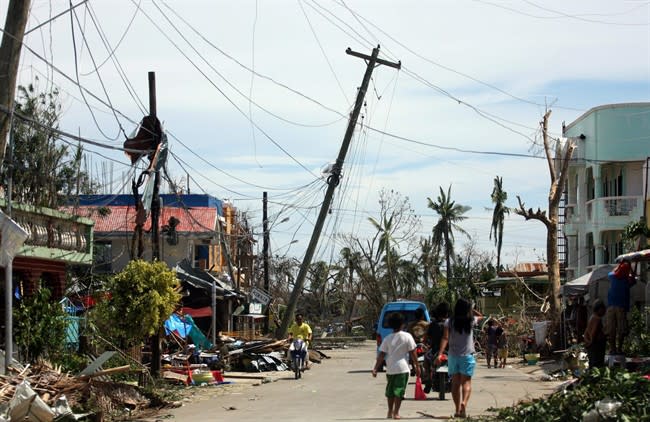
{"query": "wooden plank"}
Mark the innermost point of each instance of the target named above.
(110, 371)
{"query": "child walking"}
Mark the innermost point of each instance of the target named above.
(395, 349)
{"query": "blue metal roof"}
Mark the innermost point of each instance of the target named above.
(168, 200)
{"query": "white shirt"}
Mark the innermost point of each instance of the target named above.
(397, 346)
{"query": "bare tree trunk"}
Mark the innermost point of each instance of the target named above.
(553, 263)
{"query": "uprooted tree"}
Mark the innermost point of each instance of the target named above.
(558, 159)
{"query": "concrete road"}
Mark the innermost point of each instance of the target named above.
(343, 389)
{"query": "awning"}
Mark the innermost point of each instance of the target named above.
(637, 256)
(203, 312)
(580, 285)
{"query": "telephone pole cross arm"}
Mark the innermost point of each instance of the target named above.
(332, 182)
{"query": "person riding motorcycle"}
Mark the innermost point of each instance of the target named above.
(302, 330)
(432, 340)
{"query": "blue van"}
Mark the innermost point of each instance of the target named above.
(406, 308)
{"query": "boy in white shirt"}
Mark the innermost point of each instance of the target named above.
(395, 349)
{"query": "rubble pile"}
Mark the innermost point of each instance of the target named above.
(192, 366)
(41, 392)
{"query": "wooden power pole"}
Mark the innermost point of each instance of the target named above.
(332, 182)
(12, 42)
(265, 252)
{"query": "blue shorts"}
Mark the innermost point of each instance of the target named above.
(461, 365)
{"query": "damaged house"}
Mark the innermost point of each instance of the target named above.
(199, 238)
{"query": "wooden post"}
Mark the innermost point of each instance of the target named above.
(265, 252)
(155, 214)
(12, 42)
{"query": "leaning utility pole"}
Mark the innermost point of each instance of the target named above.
(332, 182)
(12, 42)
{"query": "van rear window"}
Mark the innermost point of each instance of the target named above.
(409, 316)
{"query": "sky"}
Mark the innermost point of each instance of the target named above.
(255, 96)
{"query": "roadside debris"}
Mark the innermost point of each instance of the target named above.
(43, 393)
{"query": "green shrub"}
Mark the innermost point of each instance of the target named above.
(142, 296)
(39, 327)
(637, 342)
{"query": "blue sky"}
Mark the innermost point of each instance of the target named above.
(570, 57)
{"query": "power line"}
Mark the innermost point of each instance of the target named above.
(60, 72)
(280, 147)
(447, 68)
(329, 64)
(220, 170)
(560, 14)
(113, 58)
(40, 25)
(76, 68)
(111, 52)
(59, 132)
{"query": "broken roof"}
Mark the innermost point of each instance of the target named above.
(200, 279)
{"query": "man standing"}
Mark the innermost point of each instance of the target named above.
(618, 304)
(491, 333)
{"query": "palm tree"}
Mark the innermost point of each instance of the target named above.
(429, 260)
(450, 214)
(386, 241)
(499, 198)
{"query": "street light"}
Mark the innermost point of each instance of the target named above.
(288, 244)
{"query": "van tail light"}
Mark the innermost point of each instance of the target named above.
(378, 339)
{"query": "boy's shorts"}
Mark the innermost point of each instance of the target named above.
(396, 386)
(503, 353)
(461, 365)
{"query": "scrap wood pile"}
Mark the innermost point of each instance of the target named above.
(41, 392)
(230, 354)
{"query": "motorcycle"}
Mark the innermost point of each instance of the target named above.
(298, 353)
(436, 377)
(443, 381)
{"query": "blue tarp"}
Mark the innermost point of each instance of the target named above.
(176, 324)
(184, 326)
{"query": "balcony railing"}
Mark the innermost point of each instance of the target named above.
(615, 206)
(53, 234)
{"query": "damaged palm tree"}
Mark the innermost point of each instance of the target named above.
(558, 164)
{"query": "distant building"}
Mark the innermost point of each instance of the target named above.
(515, 289)
(606, 185)
(198, 228)
(199, 234)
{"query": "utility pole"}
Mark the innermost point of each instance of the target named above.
(155, 214)
(332, 182)
(265, 252)
(12, 42)
(155, 201)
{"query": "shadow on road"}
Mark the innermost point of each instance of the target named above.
(360, 371)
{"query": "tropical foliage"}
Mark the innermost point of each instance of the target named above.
(40, 327)
(631, 390)
(450, 214)
(143, 295)
(499, 198)
(45, 171)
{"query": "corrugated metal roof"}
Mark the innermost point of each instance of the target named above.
(122, 218)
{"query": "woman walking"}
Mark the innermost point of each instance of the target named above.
(458, 335)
